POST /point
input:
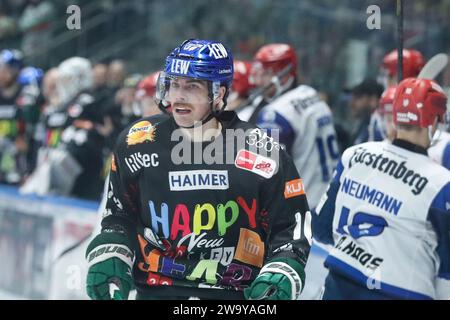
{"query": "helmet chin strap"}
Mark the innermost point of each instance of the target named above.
(280, 88)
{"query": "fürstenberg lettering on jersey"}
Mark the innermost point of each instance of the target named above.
(198, 180)
(137, 160)
(222, 149)
(391, 167)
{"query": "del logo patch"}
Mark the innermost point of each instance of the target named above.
(141, 132)
(256, 163)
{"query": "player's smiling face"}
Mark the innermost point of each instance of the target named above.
(189, 99)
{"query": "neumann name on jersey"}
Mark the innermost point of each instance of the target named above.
(371, 195)
(391, 167)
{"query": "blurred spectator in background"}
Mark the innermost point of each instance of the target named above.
(145, 96)
(12, 127)
(116, 74)
(49, 87)
(126, 109)
(71, 159)
(363, 102)
(102, 93)
(29, 103)
(100, 73)
(36, 25)
(7, 24)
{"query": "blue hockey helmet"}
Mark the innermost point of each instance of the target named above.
(30, 76)
(12, 58)
(204, 60)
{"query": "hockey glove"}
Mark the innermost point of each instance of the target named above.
(277, 280)
(110, 262)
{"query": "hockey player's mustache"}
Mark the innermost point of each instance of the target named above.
(182, 106)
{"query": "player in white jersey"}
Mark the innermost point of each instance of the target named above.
(306, 129)
(387, 209)
(240, 89)
(439, 152)
(413, 62)
(304, 121)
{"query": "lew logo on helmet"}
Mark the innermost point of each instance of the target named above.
(141, 132)
(217, 50)
(179, 66)
(193, 46)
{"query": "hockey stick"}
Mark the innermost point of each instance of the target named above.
(434, 66)
(400, 40)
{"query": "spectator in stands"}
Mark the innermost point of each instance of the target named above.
(364, 101)
(7, 24)
(102, 93)
(12, 160)
(36, 24)
(49, 87)
(116, 74)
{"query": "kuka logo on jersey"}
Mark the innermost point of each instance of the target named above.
(141, 132)
(256, 163)
(294, 188)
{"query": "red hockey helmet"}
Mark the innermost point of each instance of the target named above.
(418, 102)
(277, 56)
(241, 78)
(147, 86)
(387, 100)
(413, 62)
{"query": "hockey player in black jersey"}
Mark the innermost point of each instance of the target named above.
(195, 209)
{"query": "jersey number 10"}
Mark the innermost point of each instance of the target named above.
(373, 225)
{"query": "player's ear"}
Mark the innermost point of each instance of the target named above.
(219, 100)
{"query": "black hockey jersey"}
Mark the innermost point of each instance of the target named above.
(205, 217)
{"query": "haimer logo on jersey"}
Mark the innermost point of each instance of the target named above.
(256, 163)
(198, 180)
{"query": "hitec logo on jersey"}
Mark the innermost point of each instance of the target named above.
(256, 163)
(141, 132)
(198, 180)
(294, 188)
(137, 160)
